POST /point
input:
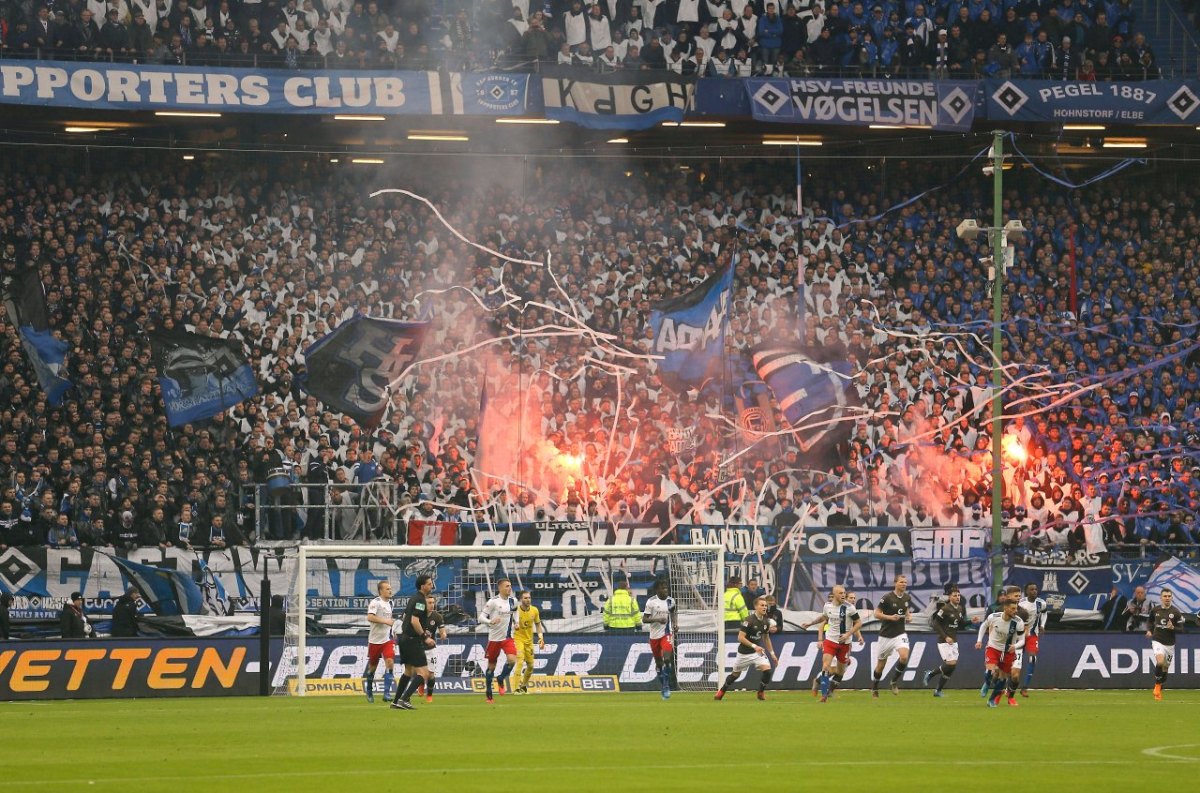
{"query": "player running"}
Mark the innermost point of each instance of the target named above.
(1005, 633)
(529, 619)
(499, 617)
(950, 616)
(437, 629)
(1164, 621)
(1036, 608)
(894, 612)
(841, 621)
(754, 645)
(379, 641)
(415, 640)
(660, 616)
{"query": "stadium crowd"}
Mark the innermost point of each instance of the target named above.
(276, 255)
(1061, 39)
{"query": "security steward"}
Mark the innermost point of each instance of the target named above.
(621, 612)
(735, 604)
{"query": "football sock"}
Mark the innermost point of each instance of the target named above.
(947, 671)
(400, 688)
(429, 685)
(875, 678)
(413, 683)
(388, 681)
(502, 678)
(1010, 687)
(999, 687)
(987, 678)
(766, 678)
(898, 671)
(487, 678)
(1160, 675)
(1030, 664)
(837, 681)
(729, 680)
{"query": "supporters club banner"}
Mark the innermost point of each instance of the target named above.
(621, 100)
(99, 86)
(200, 376)
(1149, 102)
(943, 105)
(750, 551)
(1062, 575)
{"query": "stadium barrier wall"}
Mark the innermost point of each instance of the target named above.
(580, 663)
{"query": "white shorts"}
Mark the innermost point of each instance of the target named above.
(885, 647)
(744, 661)
(1018, 657)
(949, 652)
(1168, 653)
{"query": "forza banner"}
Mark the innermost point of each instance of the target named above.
(943, 105)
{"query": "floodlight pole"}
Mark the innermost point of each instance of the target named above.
(998, 262)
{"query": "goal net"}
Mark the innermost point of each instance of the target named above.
(333, 585)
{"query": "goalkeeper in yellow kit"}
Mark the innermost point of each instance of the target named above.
(528, 619)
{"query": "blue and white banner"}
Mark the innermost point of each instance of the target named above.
(169, 592)
(351, 368)
(689, 332)
(621, 100)
(102, 86)
(26, 305)
(200, 376)
(1061, 574)
(944, 105)
(1149, 102)
(817, 398)
(1181, 578)
(853, 544)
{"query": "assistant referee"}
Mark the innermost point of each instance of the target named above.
(414, 639)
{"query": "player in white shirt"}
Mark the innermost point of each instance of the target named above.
(841, 620)
(1036, 608)
(379, 641)
(1005, 633)
(500, 621)
(660, 616)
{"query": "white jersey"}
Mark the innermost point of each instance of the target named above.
(656, 609)
(1036, 609)
(380, 634)
(1003, 635)
(839, 619)
(502, 608)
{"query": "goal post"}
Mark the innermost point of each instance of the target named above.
(333, 584)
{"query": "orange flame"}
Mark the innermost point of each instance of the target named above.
(1012, 449)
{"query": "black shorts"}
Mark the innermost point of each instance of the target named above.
(412, 652)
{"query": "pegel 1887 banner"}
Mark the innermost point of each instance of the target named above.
(101, 86)
(1149, 102)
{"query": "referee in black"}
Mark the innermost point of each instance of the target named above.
(414, 639)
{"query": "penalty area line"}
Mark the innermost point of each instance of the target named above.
(1161, 753)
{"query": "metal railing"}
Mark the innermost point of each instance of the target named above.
(345, 512)
(1182, 58)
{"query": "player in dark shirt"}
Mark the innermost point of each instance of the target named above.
(437, 629)
(754, 645)
(949, 616)
(415, 638)
(1164, 621)
(893, 612)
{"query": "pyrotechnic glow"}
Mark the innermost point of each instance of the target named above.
(1011, 448)
(571, 463)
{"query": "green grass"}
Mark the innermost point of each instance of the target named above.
(1056, 741)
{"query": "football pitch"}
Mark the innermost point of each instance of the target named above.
(1060, 741)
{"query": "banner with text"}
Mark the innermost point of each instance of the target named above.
(1149, 102)
(101, 86)
(944, 105)
(1063, 577)
(621, 100)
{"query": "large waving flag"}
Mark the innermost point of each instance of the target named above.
(200, 376)
(1181, 578)
(170, 593)
(350, 369)
(27, 308)
(689, 332)
(816, 397)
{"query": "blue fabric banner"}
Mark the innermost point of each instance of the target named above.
(1061, 574)
(102, 86)
(622, 100)
(26, 305)
(816, 398)
(689, 332)
(350, 369)
(169, 592)
(944, 105)
(1149, 102)
(200, 376)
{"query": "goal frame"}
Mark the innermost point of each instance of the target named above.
(306, 552)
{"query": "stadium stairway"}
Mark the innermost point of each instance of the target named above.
(1171, 31)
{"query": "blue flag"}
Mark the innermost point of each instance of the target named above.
(27, 307)
(689, 332)
(169, 592)
(351, 368)
(200, 376)
(1181, 578)
(815, 397)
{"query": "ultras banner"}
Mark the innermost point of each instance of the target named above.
(1067, 660)
(101, 86)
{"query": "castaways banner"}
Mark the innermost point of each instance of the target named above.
(944, 105)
